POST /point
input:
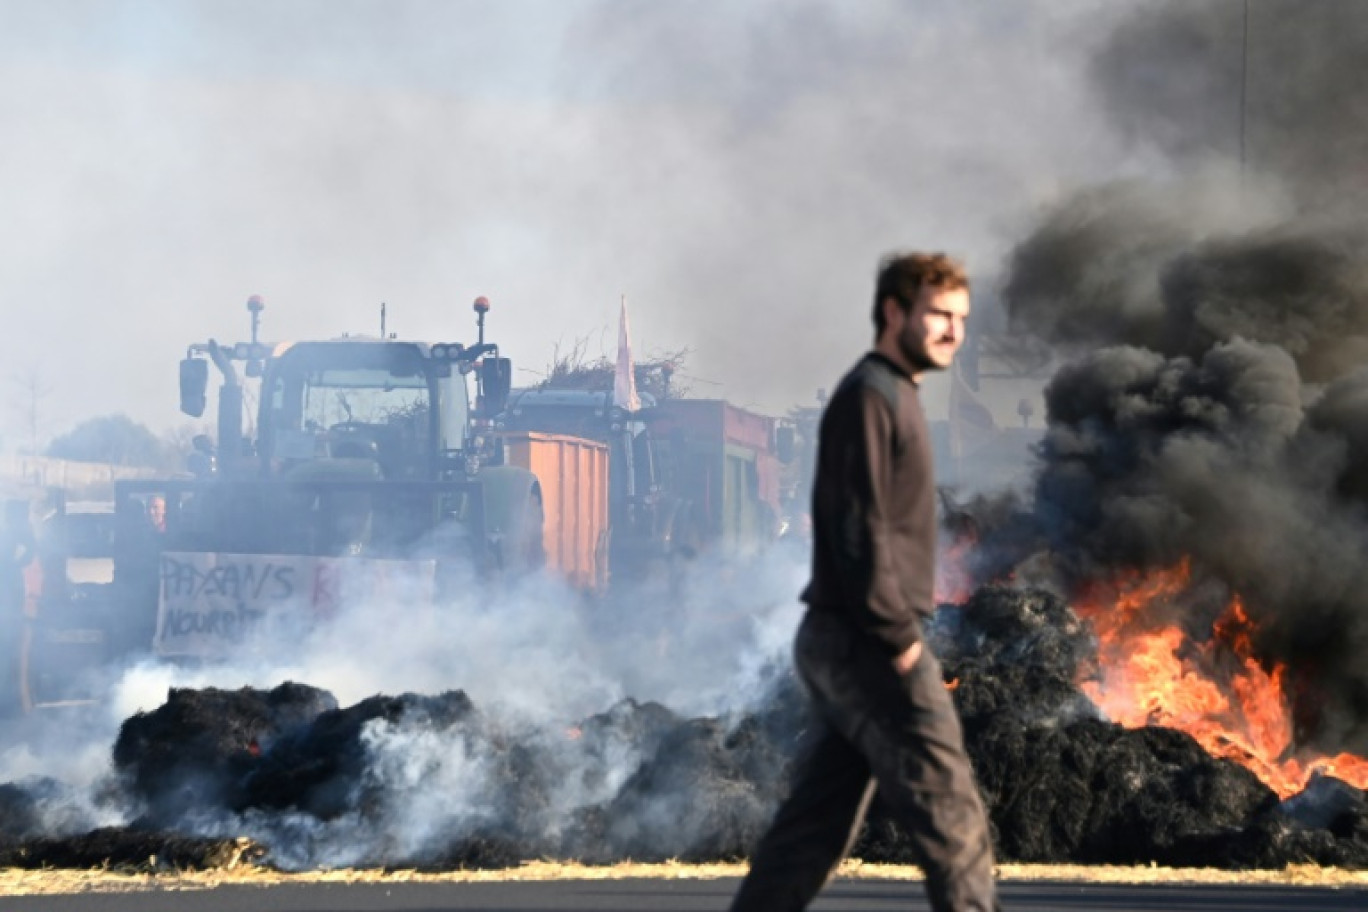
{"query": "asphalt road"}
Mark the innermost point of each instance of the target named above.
(684, 896)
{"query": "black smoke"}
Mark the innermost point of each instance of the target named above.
(1221, 420)
(1270, 85)
(1213, 332)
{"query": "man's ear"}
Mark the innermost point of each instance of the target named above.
(892, 311)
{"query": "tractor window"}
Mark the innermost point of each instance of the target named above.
(363, 396)
(344, 400)
(455, 409)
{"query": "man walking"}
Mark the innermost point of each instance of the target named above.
(883, 715)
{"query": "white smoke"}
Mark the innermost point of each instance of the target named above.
(532, 649)
(535, 657)
(728, 166)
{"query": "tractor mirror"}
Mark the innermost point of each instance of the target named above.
(194, 382)
(784, 443)
(496, 381)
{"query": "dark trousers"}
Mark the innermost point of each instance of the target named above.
(874, 729)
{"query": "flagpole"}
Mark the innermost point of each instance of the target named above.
(625, 394)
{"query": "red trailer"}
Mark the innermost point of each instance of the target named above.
(722, 459)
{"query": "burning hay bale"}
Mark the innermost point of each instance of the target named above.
(1094, 792)
(1014, 651)
(695, 800)
(193, 751)
(634, 782)
(19, 814)
(1063, 785)
(430, 781)
(273, 759)
(1330, 804)
(320, 767)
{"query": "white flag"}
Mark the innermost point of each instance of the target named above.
(624, 377)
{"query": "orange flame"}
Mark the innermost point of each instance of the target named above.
(1218, 691)
(954, 582)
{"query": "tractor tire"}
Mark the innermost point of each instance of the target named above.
(515, 519)
(532, 539)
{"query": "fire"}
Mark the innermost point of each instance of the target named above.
(1218, 691)
(954, 581)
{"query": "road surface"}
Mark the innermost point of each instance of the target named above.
(655, 895)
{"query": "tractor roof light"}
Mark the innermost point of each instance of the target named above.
(482, 305)
(250, 351)
(447, 351)
(256, 304)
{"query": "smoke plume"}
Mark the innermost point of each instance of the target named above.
(1213, 327)
(1265, 85)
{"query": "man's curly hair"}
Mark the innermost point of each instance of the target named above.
(902, 276)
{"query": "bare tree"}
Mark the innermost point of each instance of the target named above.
(31, 388)
(573, 368)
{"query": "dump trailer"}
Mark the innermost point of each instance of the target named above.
(572, 473)
(372, 475)
(685, 475)
(641, 517)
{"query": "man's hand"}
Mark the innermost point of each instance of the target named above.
(907, 660)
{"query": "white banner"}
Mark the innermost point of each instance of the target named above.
(212, 605)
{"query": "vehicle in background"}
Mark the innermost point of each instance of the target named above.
(61, 633)
(83, 530)
(371, 471)
(685, 475)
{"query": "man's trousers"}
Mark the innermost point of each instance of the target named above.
(874, 728)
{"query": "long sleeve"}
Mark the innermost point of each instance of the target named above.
(873, 518)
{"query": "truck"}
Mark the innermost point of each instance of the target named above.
(685, 475)
(371, 462)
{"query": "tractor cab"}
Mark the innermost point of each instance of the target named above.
(372, 407)
(355, 407)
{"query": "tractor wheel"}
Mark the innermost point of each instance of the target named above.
(516, 517)
(524, 544)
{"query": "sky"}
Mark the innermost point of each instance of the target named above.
(734, 169)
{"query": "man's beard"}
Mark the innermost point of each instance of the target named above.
(917, 355)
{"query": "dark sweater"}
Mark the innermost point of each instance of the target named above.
(873, 506)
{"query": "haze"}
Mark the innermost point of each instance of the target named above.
(733, 169)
